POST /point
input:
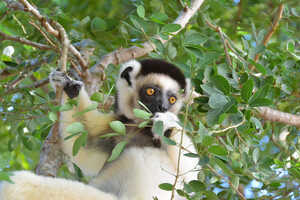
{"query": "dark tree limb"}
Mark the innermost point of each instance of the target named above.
(4, 36)
(51, 155)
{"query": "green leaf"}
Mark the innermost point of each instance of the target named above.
(65, 107)
(109, 135)
(172, 51)
(258, 66)
(261, 102)
(117, 151)
(98, 25)
(217, 101)
(97, 96)
(52, 116)
(235, 182)
(169, 28)
(196, 186)
(72, 135)
(118, 126)
(79, 142)
(223, 166)
(168, 141)
(5, 176)
(75, 127)
(135, 22)
(222, 84)
(143, 124)
(261, 93)
(140, 11)
(247, 89)
(166, 186)
(158, 128)
(159, 17)
(141, 114)
(91, 107)
(255, 155)
(290, 46)
(191, 155)
(217, 150)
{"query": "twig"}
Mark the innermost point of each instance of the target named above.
(229, 127)
(278, 116)
(220, 32)
(37, 84)
(25, 41)
(271, 31)
(180, 146)
(228, 181)
(43, 33)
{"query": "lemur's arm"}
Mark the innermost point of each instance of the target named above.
(90, 159)
(94, 121)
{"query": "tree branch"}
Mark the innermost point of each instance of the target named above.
(34, 85)
(25, 41)
(51, 156)
(278, 116)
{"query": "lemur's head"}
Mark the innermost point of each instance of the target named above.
(159, 85)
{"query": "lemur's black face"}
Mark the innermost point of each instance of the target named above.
(156, 99)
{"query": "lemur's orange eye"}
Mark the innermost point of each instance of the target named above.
(172, 100)
(150, 91)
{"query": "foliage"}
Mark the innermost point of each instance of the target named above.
(258, 158)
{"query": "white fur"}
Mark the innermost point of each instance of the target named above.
(28, 186)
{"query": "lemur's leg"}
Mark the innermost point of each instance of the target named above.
(89, 159)
(28, 186)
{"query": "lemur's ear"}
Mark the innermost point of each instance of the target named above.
(126, 75)
(129, 71)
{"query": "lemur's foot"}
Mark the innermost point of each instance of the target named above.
(70, 86)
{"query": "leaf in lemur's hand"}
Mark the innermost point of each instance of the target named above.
(109, 135)
(168, 140)
(70, 136)
(166, 186)
(141, 114)
(158, 128)
(143, 124)
(117, 150)
(75, 127)
(65, 107)
(79, 142)
(97, 96)
(91, 107)
(118, 126)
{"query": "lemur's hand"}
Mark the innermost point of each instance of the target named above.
(170, 121)
(61, 79)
